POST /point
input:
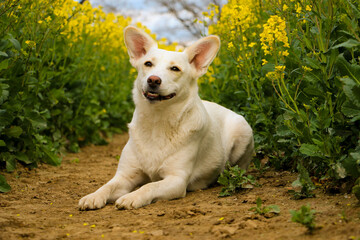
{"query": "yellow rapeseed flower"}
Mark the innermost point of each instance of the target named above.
(280, 68)
(230, 46)
(274, 35)
(252, 44)
(306, 69)
(31, 44)
(285, 53)
(275, 75)
(271, 75)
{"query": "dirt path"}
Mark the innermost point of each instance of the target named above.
(43, 205)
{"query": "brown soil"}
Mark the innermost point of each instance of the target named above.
(43, 205)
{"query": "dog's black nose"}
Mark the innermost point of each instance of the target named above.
(154, 81)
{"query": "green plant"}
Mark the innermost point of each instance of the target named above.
(234, 179)
(65, 79)
(62, 81)
(356, 189)
(304, 216)
(292, 69)
(343, 216)
(259, 209)
(304, 182)
(75, 160)
(4, 186)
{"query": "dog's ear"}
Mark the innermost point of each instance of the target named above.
(203, 52)
(137, 42)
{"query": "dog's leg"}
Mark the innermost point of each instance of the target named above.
(118, 186)
(125, 180)
(241, 140)
(169, 188)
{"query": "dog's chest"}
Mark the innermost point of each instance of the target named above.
(156, 141)
(156, 144)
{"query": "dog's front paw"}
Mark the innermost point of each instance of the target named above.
(131, 201)
(92, 201)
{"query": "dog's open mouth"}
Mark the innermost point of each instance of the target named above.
(152, 96)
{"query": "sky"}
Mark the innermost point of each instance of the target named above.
(150, 14)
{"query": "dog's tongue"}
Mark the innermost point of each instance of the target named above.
(152, 95)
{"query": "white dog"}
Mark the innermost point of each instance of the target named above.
(177, 141)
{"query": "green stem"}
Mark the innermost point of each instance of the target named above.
(280, 96)
(289, 95)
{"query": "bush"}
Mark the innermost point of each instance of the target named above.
(65, 79)
(292, 69)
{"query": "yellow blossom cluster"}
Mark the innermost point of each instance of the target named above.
(274, 36)
(237, 16)
(82, 24)
(238, 24)
(277, 74)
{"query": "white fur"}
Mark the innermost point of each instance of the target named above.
(176, 144)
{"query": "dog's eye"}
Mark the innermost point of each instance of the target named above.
(175, 69)
(148, 64)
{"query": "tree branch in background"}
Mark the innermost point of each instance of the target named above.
(187, 11)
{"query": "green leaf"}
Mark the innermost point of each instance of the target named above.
(356, 156)
(296, 183)
(350, 110)
(15, 43)
(5, 117)
(314, 77)
(23, 158)
(4, 54)
(310, 150)
(223, 180)
(307, 42)
(13, 131)
(347, 69)
(274, 208)
(351, 90)
(36, 121)
(2, 143)
(4, 186)
(348, 44)
(313, 63)
(269, 67)
(4, 64)
(10, 162)
(51, 158)
(352, 164)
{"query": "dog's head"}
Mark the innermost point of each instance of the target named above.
(167, 75)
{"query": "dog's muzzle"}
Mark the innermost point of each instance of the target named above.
(153, 96)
